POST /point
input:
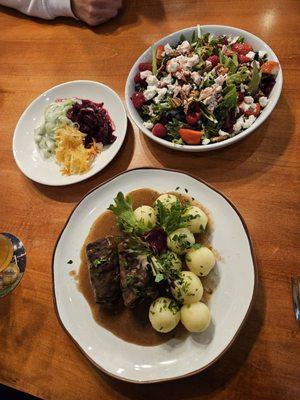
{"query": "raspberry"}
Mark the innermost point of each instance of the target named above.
(241, 48)
(138, 100)
(159, 130)
(145, 67)
(243, 59)
(137, 78)
(214, 60)
(193, 118)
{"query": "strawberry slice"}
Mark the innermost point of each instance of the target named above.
(253, 111)
(270, 67)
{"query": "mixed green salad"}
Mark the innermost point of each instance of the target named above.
(203, 89)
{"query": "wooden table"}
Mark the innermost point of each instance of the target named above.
(260, 175)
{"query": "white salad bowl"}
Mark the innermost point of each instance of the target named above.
(172, 39)
(230, 302)
(26, 152)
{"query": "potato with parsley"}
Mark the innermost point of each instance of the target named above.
(164, 314)
(197, 219)
(146, 215)
(187, 288)
(167, 200)
(195, 317)
(200, 261)
(180, 241)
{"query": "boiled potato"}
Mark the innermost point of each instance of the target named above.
(146, 215)
(195, 317)
(180, 240)
(164, 314)
(197, 219)
(200, 261)
(10, 274)
(187, 288)
(167, 200)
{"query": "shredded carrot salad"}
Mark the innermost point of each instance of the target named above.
(70, 152)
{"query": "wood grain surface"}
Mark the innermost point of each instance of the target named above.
(260, 175)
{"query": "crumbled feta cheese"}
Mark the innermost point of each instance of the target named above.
(205, 141)
(208, 64)
(186, 88)
(248, 99)
(237, 127)
(250, 55)
(243, 87)
(192, 61)
(152, 80)
(263, 101)
(150, 92)
(160, 94)
(220, 79)
(244, 106)
(248, 121)
(222, 133)
(196, 77)
(224, 48)
(232, 40)
(150, 110)
(262, 53)
(166, 80)
(184, 47)
(174, 89)
(172, 65)
(145, 74)
(148, 124)
(168, 49)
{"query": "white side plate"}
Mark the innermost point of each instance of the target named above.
(26, 153)
(229, 304)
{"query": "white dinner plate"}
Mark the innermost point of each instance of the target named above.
(229, 304)
(26, 153)
(173, 38)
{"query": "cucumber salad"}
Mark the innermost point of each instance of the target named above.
(204, 89)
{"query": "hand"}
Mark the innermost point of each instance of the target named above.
(95, 12)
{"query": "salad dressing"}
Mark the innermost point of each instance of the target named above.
(131, 325)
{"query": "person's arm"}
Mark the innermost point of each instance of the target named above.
(47, 9)
(93, 12)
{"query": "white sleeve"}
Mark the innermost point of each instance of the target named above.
(47, 9)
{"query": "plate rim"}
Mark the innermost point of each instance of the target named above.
(254, 292)
(200, 148)
(82, 177)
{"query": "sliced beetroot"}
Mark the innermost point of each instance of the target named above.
(267, 84)
(157, 240)
(93, 120)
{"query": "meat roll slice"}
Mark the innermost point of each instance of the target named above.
(136, 282)
(104, 272)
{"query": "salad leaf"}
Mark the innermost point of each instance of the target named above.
(173, 128)
(230, 97)
(253, 85)
(154, 61)
(171, 219)
(125, 216)
(240, 40)
(205, 113)
(182, 38)
(193, 38)
(239, 77)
